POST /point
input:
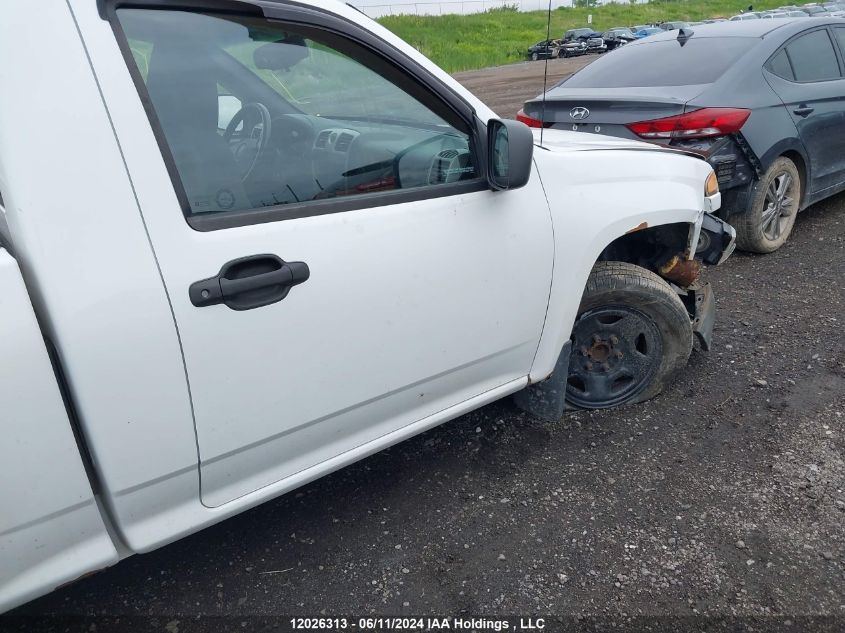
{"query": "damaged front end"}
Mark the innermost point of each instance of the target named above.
(676, 253)
(711, 241)
(708, 240)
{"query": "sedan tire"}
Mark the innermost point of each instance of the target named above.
(631, 336)
(775, 199)
(534, 57)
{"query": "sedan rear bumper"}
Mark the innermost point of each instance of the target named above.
(736, 167)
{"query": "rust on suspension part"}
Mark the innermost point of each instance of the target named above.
(681, 271)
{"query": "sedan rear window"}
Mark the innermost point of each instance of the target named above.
(663, 63)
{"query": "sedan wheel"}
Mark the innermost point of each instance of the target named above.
(780, 199)
(534, 57)
(774, 205)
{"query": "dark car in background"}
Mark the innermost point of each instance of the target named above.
(544, 49)
(617, 36)
(763, 101)
(593, 40)
(548, 49)
(573, 48)
(577, 34)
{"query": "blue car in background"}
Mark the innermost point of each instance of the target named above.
(650, 30)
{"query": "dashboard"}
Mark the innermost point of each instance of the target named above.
(310, 157)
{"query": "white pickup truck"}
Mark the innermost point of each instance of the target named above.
(245, 243)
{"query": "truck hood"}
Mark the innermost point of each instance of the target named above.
(556, 140)
(566, 141)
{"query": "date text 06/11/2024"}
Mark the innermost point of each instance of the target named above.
(418, 624)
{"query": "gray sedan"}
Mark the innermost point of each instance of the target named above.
(762, 100)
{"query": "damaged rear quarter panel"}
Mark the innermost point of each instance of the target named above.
(596, 196)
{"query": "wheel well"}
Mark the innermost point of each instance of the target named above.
(796, 158)
(649, 247)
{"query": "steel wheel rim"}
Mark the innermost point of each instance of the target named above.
(779, 205)
(616, 352)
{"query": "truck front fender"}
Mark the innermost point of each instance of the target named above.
(596, 197)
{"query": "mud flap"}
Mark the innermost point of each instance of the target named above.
(547, 399)
(703, 313)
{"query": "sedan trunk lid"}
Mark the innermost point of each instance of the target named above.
(609, 110)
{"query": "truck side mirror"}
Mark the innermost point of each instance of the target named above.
(510, 149)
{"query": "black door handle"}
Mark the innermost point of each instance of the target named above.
(803, 110)
(249, 282)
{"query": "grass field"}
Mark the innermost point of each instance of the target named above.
(501, 36)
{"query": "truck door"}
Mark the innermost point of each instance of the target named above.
(340, 274)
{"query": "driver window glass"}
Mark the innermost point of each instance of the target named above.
(256, 115)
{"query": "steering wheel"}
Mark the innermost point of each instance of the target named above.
(251, 143)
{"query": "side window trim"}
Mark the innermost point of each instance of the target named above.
(832, 37)
(792, 68)
(324, 21)
(837, 47)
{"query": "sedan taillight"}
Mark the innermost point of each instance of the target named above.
(529, 120)
(702, 123)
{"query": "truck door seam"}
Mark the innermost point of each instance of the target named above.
(149, 239)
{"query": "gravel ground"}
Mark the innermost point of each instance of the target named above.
(506, 88)
(723, 497)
